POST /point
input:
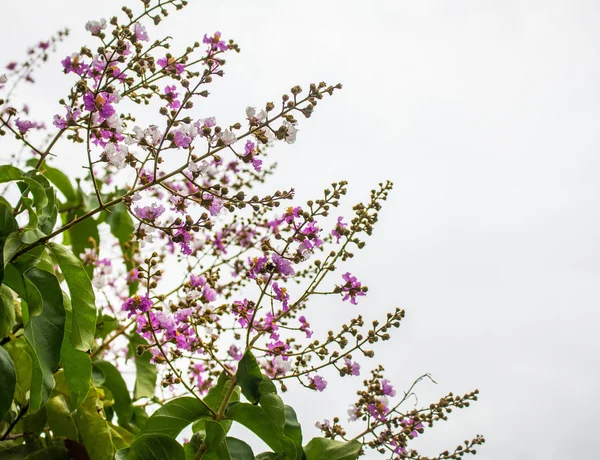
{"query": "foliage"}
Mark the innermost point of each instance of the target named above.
(104, 356)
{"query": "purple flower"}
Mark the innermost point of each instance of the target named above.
(414, 426)
(197, 281)
(215, 42)
(339, 228)
(149, 212)
(183, 237)
(235, 352)
(317, 383)
(95, 27)
(74, 64)
(282, 295)
(72, 115)
(351, 289)
(25, 125)
(284, 266)
(305, 327)
(181, 139)
(100, 102)
(171, 96)
(170, 64)
(379, 409)
(352, 367)
(137, 304)
(140, 32)
(387, 389)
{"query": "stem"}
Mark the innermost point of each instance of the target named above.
(15, 421)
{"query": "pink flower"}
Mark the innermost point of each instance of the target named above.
(351, 289)
(317, 383)
(95, 27)
(137, 304)
(74, 64)
(25, 125)
(282, 295)
(338, 229)
(305, 327)
(170, 64)
(149, 212)
(100, 102)
(140, 32)
(284, 266)
(379, 409)
(351, 367)
(387, 389)
(215, 42)
(171, 96)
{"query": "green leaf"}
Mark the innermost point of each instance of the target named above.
(8, 381)
(8, 223)
(122, 227)
(44, 333)
(270, 456)
(215, 441)
(267, 421)
(10, 246)
(56, 452)
(35, 423)
(239, 450)
(77, 364)
(9, 173)
(292, 428)
(59, 417)
(18, 351)
(9, 451)
(82, 297)
(7, 311)
(328, 449)
(79, 237)
(155, 446)
(174, 416)
(62, 182)
(120, 436)
(113, 380)
(249, 377)
(145, 372)
(215, 398)
(93, 428)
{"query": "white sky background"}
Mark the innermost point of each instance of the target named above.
(485, 115)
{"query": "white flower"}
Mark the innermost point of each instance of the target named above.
(116, 154)
(3, 80)
(281, 366)
(94, 27)
(147, 234)
(199, 167)
(253, 118)
(227, 137)
(352, 413)
(290, 132)
(193, 295)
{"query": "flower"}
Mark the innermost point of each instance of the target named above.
(353, 413)
(284, 266)
(72, 115)
(379, 408)
(100, 102)
(253, 118)
(282, 295)
(215, 42)
(137, 304)
(25, 125)
(171, 97)
(387, 389)
(95, 27)
(351, 367)
(74, 64)
(149, 212)
(170, 64)
(317, 383)
(304, 326)
(227, 137)
(414, 426)
(3, 80)
(290, 132)
(351, 289)
(140, 32)
(339, 229)
(116, 155)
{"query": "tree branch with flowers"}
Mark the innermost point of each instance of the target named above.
(105, 353)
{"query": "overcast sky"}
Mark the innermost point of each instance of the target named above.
(485, 115)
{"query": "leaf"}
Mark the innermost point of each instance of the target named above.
(77, 364)
(174, 416)
(113, 380)
(56, 452)
(239, 450)
(62, 182)
(328, 449)
(18, 351)
(292, 428)
(10, 246)
(9, 173)
(270, 456)
(8, 381)
(7, 311)
(145, 372)
(267, 421)
(93, 428)
(44, 333)
(82, 297)
(215, 398)
(79, 237)
(249, 377)
(59, 417)
(105, 325)
(215, 441)
(122, 227)
(155, 446)
(121, 438)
